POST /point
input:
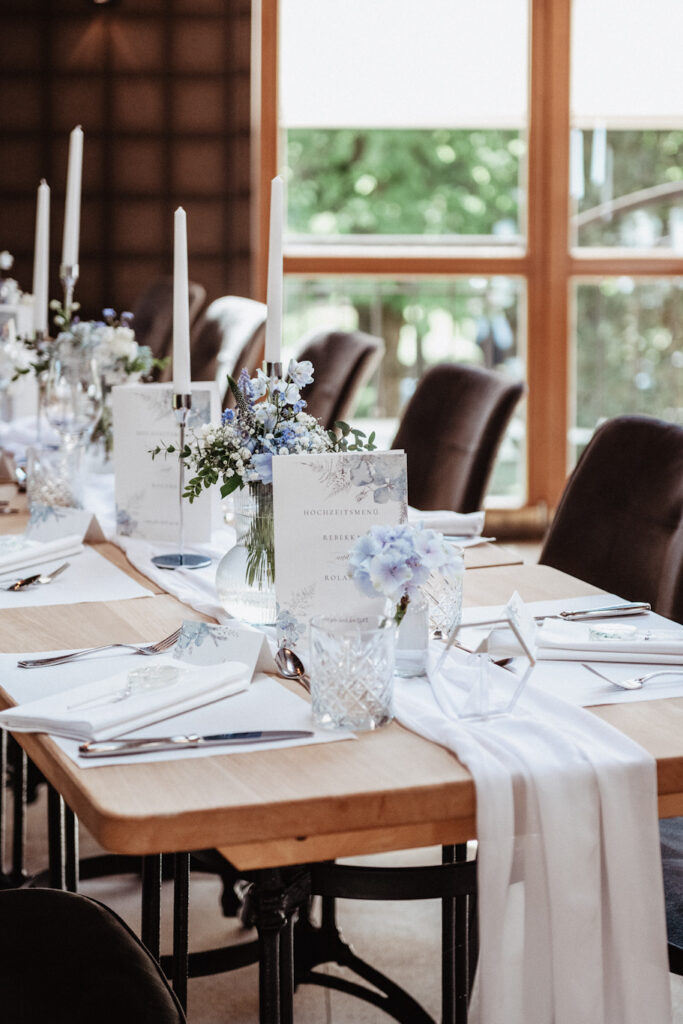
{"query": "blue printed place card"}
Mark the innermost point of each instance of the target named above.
(321, 505)
(147, 490)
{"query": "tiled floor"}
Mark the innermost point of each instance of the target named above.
(400, 939)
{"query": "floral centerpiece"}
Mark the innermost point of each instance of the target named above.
(269, 418)
(120, 358)
(396, 562)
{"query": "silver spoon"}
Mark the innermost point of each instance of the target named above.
(291, 666)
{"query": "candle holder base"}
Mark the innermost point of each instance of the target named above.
(179, 561)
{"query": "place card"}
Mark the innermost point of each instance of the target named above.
(202, 643)
(321, 505)
(146, 489)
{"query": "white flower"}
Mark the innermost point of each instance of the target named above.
(6, 260)
(300, 373)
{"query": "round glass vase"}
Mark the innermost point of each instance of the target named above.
(245, 577)
(412, 638)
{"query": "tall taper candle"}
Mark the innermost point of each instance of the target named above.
(181, 308)
(41, 259)
(72, 213)
(274, 299)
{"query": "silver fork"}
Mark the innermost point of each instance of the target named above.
(635, 682)
(61, 659)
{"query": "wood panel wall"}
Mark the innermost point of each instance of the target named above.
(162, 90)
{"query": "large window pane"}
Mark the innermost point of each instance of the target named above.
(423, 321)
(628, 352)
(404, 118)
(627, 124)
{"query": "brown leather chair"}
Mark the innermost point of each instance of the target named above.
(228, 337)
(153, 316)
(619, 523)
(342, 361)
(451, 430)
(68, 959)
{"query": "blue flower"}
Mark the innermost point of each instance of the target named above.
(228, 416)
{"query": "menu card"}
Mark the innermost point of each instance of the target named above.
(321, 505)
(146, 489)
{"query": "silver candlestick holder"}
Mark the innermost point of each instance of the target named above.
(68, 275)
(181, 560)
(41, 339)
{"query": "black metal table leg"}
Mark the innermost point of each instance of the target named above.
(181, 919)
(271, 917)
(70, 849)
(287, 971)
(461, 946)
(55, 838)
(19, 787)
(150, 930)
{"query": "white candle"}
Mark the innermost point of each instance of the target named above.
(41, 259)
(72, 213)
(274, 298)
(181, 308)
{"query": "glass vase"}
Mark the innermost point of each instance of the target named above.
(245, 578)
(412, 639)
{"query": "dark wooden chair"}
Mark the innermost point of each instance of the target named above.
(619, 523)
(153, 315)
(343, 361)
(228, 337)
(68, 959)
(451, 430)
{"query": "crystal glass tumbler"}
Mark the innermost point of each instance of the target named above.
(352, 666)
(54, 477)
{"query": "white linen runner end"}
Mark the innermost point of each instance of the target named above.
(568, 861)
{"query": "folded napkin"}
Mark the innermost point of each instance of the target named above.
(570, 902)
(456, 524)
(62, 715)
(571, 641)
(19, 552)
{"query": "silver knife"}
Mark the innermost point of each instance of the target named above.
(610, 610)
(112, 748)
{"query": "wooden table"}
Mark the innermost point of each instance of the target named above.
(264, 811)
(384, 791)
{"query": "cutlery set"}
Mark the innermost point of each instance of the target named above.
(289, 666)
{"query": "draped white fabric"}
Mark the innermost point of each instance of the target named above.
(568, 856)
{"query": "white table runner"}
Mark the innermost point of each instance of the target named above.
(568, 853)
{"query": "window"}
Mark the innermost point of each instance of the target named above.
(498, 182)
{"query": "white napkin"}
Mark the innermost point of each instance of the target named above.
(61, 715)
(19, 552)
(456, 524)
(571, 641)
(569, 842)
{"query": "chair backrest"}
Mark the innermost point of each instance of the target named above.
(342, 361)
(228, 336)
(66, 958)
(451, 430)
(153, 315)
(619, 523)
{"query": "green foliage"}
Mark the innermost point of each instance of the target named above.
(388, 181)
(348, 439)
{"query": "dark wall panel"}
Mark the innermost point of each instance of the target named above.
(161, 88)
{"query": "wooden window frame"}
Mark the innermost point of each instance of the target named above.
(548, 264)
